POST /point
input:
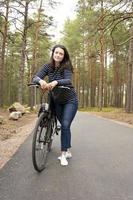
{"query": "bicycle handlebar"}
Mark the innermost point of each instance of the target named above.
(33, 84)
(38, 85)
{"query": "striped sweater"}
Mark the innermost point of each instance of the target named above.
(63, 78)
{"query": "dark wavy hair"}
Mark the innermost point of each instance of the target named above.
(66, 62)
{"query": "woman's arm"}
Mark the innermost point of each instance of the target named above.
(41, 74)
(67, 80)
(38, 78)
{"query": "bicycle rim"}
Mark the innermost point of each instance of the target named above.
(40, 144)
(51, 133)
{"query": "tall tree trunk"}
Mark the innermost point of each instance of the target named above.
(23, 56)
(116, 83)
(3, 49)
(34, 54)
(129, 105)
(105, 82)
(101, 40)
(88, 88)
(92, 79)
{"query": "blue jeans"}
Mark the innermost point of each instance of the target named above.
(65, 114)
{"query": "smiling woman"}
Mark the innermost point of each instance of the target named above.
(63, 94)
(58, 56)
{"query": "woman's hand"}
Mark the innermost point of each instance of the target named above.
(43, 84)
(51, 85)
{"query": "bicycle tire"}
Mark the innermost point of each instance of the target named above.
(40, 143)
(51, 133)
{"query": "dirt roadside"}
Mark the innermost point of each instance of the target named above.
(118, 116)
(13, 133)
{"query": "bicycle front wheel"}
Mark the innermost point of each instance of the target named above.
(40, 143)
(51, 132)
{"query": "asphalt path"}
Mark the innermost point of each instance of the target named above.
(101, 167)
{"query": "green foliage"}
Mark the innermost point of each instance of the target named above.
(72, 37)
(13, 51)
(82, 37)
(43, 41)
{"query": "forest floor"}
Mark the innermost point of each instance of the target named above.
(9, 128)
(13, 133)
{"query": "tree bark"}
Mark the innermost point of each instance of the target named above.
(34, 54)
(3, 50)
(129, 105)
(105, 82)
(23, 56)
(92, 80)
(116, 81)
(101, 76)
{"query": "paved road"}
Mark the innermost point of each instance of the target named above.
(101, 167)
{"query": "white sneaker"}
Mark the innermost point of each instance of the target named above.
(59, 158)
(68, 154)
(63, 160)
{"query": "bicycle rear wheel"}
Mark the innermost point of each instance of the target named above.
(40, 143)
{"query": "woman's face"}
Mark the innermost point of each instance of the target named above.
(58, 55)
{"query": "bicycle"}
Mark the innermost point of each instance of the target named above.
(45, 128)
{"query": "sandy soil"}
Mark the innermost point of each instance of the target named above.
(117, 115)
(9, 127)
(13, 134)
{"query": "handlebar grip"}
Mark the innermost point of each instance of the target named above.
(63, 87)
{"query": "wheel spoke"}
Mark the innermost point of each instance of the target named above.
(40, 145)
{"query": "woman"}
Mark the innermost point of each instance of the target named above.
(59, 72)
